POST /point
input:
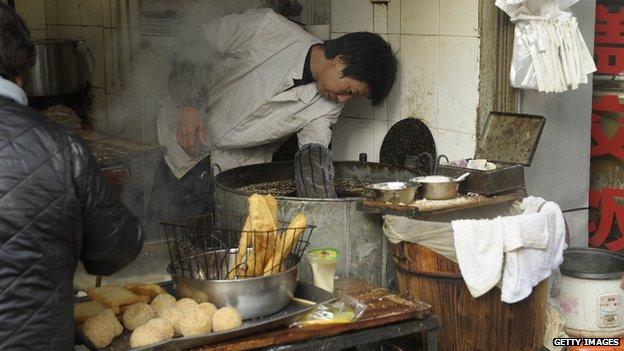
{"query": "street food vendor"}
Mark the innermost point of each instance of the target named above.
(243, 84)
(55, 209)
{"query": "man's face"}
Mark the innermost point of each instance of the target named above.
(333, 86)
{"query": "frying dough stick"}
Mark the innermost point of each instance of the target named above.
(259, 253)
(261, 221)
(272, 239)
(272, 203)
(285, 244)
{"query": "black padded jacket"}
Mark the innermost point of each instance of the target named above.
(55, 209)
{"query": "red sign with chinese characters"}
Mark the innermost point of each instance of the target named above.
(606, 199)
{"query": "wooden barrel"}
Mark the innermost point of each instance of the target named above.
(468, 324)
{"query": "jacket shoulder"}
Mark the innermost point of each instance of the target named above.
(30, 125)
(266, 16)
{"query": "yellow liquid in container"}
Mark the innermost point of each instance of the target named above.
(323, 263)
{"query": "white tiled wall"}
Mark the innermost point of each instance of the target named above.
(458, 76)
(33, 13)
(459, 17)
(437, 43)
(420, 17)
(455, 145)
(419, 78)
(355, 16)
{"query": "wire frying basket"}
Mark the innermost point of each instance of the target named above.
(208, 247)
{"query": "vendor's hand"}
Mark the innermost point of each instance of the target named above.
(190, 129)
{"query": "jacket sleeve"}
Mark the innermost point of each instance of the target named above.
(202, 48)
(318, 131)
(112, 236)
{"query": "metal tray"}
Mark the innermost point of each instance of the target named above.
(510, 141)
(289, 314)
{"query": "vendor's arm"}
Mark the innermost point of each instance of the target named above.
(314, 164)
(186, 86)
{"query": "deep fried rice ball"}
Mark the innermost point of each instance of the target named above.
(226, 318)
(137, 314)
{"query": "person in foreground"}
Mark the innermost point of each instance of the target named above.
(55, 209)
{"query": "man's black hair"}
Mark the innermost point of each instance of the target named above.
(368, 58)
(17, 52)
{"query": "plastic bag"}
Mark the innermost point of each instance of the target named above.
(346, 309)
(549, 53)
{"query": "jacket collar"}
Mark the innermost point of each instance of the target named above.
(304, 93)
(12, 91)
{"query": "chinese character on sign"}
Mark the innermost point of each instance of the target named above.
(606, 146)
(611, 204)
(609, 32)
(609, 27)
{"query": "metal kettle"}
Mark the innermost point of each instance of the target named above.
(59, 68)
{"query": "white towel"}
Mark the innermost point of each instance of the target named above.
(531, 204)
(532, 244)
(528, 230)
(479, 249)
(481, 244)
(527, 267)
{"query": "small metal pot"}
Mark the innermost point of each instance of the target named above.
(394, 192)
(438, 189)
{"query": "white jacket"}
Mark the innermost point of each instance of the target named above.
(248, 111)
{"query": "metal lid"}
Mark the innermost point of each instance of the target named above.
(510, 137)
(408, 137)
(592, 263)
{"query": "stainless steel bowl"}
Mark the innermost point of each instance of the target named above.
(437, 187)
(394, 192)
(252, 297)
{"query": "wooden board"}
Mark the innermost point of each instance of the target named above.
(423, 208)
(383, 308)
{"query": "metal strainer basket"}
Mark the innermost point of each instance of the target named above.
(194, 241)
(206, 265)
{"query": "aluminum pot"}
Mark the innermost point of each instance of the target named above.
(394, 192)
(437, 187)
(58, 70)
(252, 297)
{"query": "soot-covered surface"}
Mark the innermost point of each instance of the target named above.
(344, 188)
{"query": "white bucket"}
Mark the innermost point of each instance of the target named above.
(591, 297)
